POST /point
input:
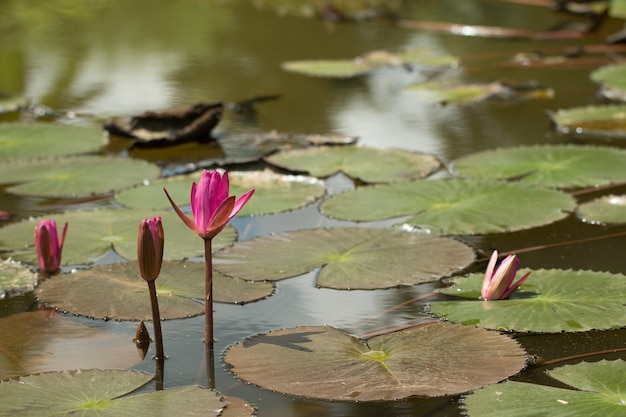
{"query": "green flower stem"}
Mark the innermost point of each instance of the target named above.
(156, 321)
(208, 312)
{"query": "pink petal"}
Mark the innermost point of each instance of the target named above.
(241, 202)
(190, 224)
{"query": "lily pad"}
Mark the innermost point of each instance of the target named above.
(577, 301)
(39, 140)
(91, 234)
(273, 192)
(346, 68)
(454, 206)
(607, 209)
(180, 287)
(75, 177)
(600, 388)
(449, 93)
(16, 279)
(338, 68)
(599, 120)
(557, 166)
(322, 362)
(365, 164)
(56, 342)
(611, 78)
(351, 258)
(101, 393)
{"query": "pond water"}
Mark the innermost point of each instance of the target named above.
(109, 58)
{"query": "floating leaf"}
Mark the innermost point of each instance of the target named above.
(576, 301)
(322, 362)
(365, 164)
(449, 93)
(55, 342)
(338, 68)
(601, 386)
(559, 166)
(91, 234)
(602, 120)
(72, 177)
(453, 206)
(611, 77)
(346, 68)
(101, 393)
(180, 286)
(38, 140)
(607, 209)
(273, 193)
(15, 278)
(351, 258)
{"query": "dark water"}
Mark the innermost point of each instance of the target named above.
(99, 59)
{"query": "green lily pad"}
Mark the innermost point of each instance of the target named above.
(10, 104)
(558, 166)
(338, 68)
(101, 393)
(600, 388)
(351, 258)
(454, 206)
(322, 362)
(577, 301)
(44, 140)
(365, 164)
(91, 234)
(456, 93)
(607, 209)
(55, 342)
(611, 78)
(180, 286)
(74, 177)
(273, 192)
(16, 279)
(599, 120)
(346, 68)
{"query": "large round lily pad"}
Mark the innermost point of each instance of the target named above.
(551, 300)
(607, 209)
(55, 342)
(351, 258)
(599, 392)
(101, 393)
(454, 206)
(322, 362)
(273, 193)
(599, 120)
(558, 166)
(366, 164)
(38, 140)
(75, 177)
(180, 287)
(91, 234)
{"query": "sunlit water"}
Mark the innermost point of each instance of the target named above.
(113, 58)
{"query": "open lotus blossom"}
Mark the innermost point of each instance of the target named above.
(150, 248)
(48, 246)
(211, 206)
(500, 282)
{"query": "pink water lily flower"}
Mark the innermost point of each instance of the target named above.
(150, 248)
(211, 206)
(48, 247)
(500, 282)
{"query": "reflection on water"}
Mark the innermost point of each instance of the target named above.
(108, 57)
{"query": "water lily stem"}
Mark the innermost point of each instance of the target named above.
(208, 312)
(156, 322)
